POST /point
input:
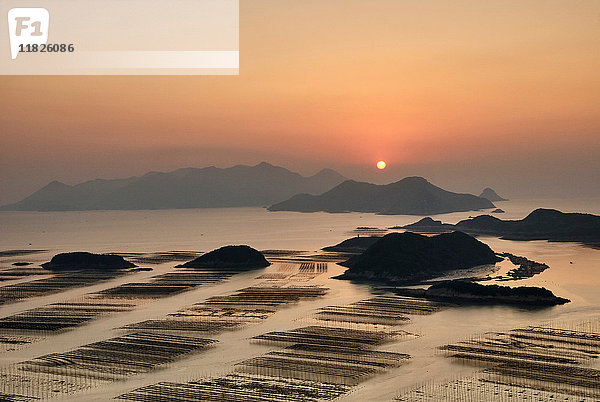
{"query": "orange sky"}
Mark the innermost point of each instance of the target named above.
(342, 84)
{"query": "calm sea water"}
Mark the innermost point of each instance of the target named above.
(203, 229)
(574, 273)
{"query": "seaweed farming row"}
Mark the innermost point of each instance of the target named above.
(379, 310)
(315, 362)
(369, 231)
(330, 355)
(533, 363)
(477, 389)
(337, 353)
(219, 313)
(58, 316)
(313, 267)
(21, 272)
(61, 316)
(160, 258)
(238, 387)
(18, 253)
(148, 344)
(96, 363)
(299, 271)
(320, 335)
(54, 284)
(319, 363)
(14, 342)
(168, 284)
(298, 257)
(124, 355)
(309, 270)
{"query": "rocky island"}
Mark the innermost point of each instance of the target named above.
(464, 291)
(410, 257)
(526, 268)
(491, 195)
(541, 224)
(86, 261)
(230, 257)
(409, 196)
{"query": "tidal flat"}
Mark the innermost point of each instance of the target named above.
(286, 332)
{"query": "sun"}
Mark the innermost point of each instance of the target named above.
(381, 165)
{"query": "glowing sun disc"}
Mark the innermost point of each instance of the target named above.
(381, 165)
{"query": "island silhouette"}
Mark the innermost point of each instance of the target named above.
(409, 196)
(541, 224)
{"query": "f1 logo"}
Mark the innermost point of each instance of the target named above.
(27, 26)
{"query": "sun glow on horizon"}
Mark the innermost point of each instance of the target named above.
(381, 165)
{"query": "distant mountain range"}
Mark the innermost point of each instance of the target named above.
(541, 224)
(210, 187)
(409, 196)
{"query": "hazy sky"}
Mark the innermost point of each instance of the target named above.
(466, 93)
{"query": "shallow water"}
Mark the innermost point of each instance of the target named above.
(573, 273)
